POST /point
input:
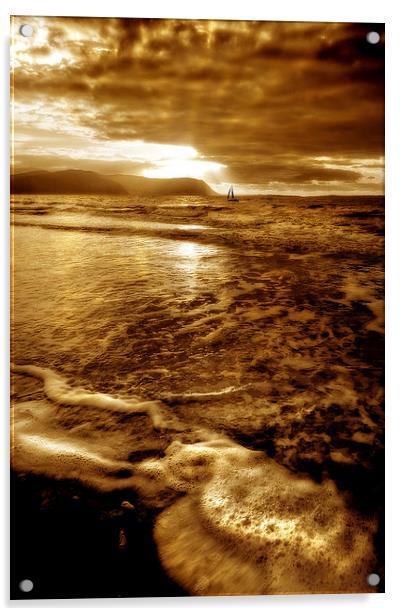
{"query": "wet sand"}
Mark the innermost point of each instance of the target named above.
(160, 345)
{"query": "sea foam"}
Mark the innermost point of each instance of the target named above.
(233, 521)
(57, 389)
(248, 526)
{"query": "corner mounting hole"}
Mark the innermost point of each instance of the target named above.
(26, 30)
(373, 37)
(373, 579)
(26, 585)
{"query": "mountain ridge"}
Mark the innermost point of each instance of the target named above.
(76, 181)
(140, 185)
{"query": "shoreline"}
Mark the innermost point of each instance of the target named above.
(294, 345)
(75, 542)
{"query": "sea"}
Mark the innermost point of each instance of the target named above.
(213, 368)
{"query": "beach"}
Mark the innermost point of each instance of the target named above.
(197, 395)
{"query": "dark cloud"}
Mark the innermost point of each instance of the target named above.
(292, 171)
(317, 174)
(352, 47)
(244, 94)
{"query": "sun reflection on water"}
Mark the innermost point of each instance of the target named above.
(190, 254)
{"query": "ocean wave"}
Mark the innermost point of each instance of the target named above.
(335, 226)
(158, 229)
(192, 364)
(249, 526)
(232, 520)
(58, 390)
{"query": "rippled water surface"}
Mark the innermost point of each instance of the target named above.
(160, 345)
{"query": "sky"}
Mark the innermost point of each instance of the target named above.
(270, 107)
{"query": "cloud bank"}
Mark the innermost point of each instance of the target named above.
(284, 107)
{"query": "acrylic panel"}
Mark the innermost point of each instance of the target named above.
(197, 219)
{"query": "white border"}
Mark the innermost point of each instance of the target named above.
(387, 11)
(286, 10)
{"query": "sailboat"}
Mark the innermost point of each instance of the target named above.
(230, 196)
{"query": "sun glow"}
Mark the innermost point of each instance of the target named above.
(173, 168)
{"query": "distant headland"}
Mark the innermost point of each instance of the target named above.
(74, 181)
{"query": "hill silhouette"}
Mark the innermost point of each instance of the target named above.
(75, 181)
(69, 182)
(139, 185)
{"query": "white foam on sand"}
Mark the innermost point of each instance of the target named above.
(248, 526)
(202, 396)
(58, 390)
(234, 521)
(78, 434)
(40, 445)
